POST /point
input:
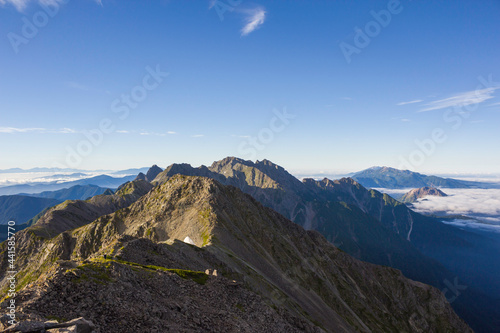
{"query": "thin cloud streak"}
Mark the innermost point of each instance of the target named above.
(37, 130)
(461, 100)
(145, 133)
(21, 5)
(255, 19)
(410, 102)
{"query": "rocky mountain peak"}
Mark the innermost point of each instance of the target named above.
(422, 192)
(153, 172)
(229, 161)
(140, 176)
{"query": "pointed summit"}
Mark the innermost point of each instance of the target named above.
(153, 172)
(419, 193)
(140, 176)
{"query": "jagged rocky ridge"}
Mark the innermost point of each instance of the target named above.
(365, 223)
(373, 227)
(272, 275)
(150, 174)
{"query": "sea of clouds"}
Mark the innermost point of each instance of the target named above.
(483, 205)
(8, 179)
(480, 203)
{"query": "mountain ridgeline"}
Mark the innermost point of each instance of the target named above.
(21, 208)
(77, 192)
(150, 174)
(250, 270)
(385, 177)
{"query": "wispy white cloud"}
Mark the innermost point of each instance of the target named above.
(64, 131)
(20, 130)
(461, 99)
(401, 119)
(255, 18)
(151, 133)
(410, 102)
(495, 104)
(39, 130)
(198, 136)
(145, 133)
(20, 5)
(76, 85)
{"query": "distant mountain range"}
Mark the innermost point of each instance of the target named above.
(77, 192)
(385, 177)
(21, 208)
(20, 170)
(24, 207)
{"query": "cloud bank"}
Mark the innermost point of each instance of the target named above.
(483, 204)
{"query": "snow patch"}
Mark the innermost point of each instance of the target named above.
(188, 240)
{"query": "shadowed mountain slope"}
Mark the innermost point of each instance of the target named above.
(20, 208)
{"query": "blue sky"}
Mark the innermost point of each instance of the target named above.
(314, 86)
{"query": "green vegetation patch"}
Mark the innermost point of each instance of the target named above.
(198, 277)
(94, 272)
(58, 319)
